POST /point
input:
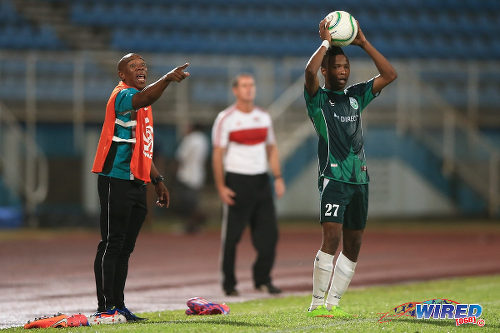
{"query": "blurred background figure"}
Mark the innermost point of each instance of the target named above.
(191, 156)
(244, 151)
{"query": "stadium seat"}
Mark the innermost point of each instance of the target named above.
(468, 23)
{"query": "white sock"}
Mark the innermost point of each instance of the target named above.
(322, 273)
(342, 275)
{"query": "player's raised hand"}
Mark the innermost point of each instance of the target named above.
(324, 33)
(360, 39)
(178, 74)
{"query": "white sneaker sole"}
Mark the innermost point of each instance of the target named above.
(115, 319)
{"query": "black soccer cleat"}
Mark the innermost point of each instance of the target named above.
(129, 315)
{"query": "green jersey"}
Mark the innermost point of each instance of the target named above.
(336, 116)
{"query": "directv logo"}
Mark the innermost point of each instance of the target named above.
(462, 313)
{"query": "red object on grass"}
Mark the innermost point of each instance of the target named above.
(200, 306)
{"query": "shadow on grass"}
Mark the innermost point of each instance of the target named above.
(205, 321)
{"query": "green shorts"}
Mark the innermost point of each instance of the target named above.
(344, 203)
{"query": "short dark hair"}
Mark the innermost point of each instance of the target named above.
(236, 79)
(125, 59)
(331, 52)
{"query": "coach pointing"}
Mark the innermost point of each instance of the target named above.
(124, 163)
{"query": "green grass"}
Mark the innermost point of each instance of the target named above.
(288, 314)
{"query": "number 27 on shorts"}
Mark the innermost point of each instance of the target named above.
(331, 209)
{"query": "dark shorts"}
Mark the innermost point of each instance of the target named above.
(344, 203)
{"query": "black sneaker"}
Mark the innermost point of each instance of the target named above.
(269, 287)
(231, 292)
(129, 315)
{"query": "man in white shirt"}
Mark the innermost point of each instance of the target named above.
(191, 157)
(244, 148)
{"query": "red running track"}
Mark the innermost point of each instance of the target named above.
(53, 272)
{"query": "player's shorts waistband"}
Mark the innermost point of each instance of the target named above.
(259, 175)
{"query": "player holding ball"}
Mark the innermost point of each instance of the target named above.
(335, 112)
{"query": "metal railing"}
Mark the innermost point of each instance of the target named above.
(81, 83)
(290, 133)
(23, 165)
(449, 133)
(452, 136)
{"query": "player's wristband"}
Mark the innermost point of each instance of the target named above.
(157, 180)
(326, 44)
(278, 177)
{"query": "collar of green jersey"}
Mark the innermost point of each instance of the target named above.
(338, 92)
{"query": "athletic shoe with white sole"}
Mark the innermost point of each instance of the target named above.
(112, 316)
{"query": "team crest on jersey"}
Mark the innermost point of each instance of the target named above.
(354, 103)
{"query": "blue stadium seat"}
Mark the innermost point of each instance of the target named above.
(8, 14)
(399, 47)
(201, 26)
(55, 67)
(494, 49)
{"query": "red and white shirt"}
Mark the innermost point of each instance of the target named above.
(245, 137)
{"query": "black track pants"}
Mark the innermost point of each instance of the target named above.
(254, 206)
(123, 209)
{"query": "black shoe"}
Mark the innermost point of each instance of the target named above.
(129, 315)
(231, 292)
(269, 287)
